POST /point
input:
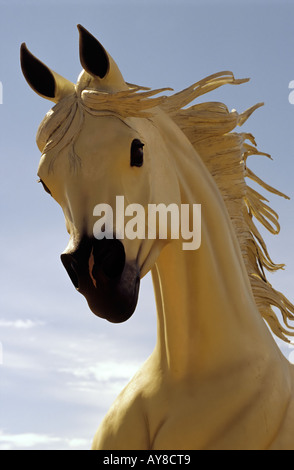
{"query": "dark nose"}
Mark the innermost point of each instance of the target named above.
(99, 259)
(109, 258)
(99, 271)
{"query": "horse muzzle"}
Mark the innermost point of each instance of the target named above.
(99, 271)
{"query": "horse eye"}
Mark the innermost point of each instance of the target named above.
(45, 187)
(137, 153)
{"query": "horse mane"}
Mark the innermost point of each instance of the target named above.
(210, 127)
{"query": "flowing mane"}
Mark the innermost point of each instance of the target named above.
(210, 127)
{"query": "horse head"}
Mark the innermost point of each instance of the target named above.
(98, 144)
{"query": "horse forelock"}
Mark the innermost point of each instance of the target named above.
(62, 124)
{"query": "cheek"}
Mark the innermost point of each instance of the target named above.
(136, 186)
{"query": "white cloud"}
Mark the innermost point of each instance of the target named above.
(20, 324)
(106, 378)
(103, 372)
(26, 440)
(34, 440)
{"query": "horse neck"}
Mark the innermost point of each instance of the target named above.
(207, 316)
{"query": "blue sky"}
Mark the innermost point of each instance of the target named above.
(62, 367)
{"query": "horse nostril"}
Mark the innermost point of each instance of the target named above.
(113, 266)
(71, 267)
(96, 261)
(110, 257)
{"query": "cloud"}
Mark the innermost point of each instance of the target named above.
(20, 324)
(103, 372)
(38, 441)
(107, 378)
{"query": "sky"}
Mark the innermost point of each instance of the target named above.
(61, 367)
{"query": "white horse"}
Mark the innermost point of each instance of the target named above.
(216, 379)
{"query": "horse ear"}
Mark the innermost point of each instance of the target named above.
(42, 80)
(93, 56)
(98, 63)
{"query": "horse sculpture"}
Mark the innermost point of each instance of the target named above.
(216, 379)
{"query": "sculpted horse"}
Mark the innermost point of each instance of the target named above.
(216, 379)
